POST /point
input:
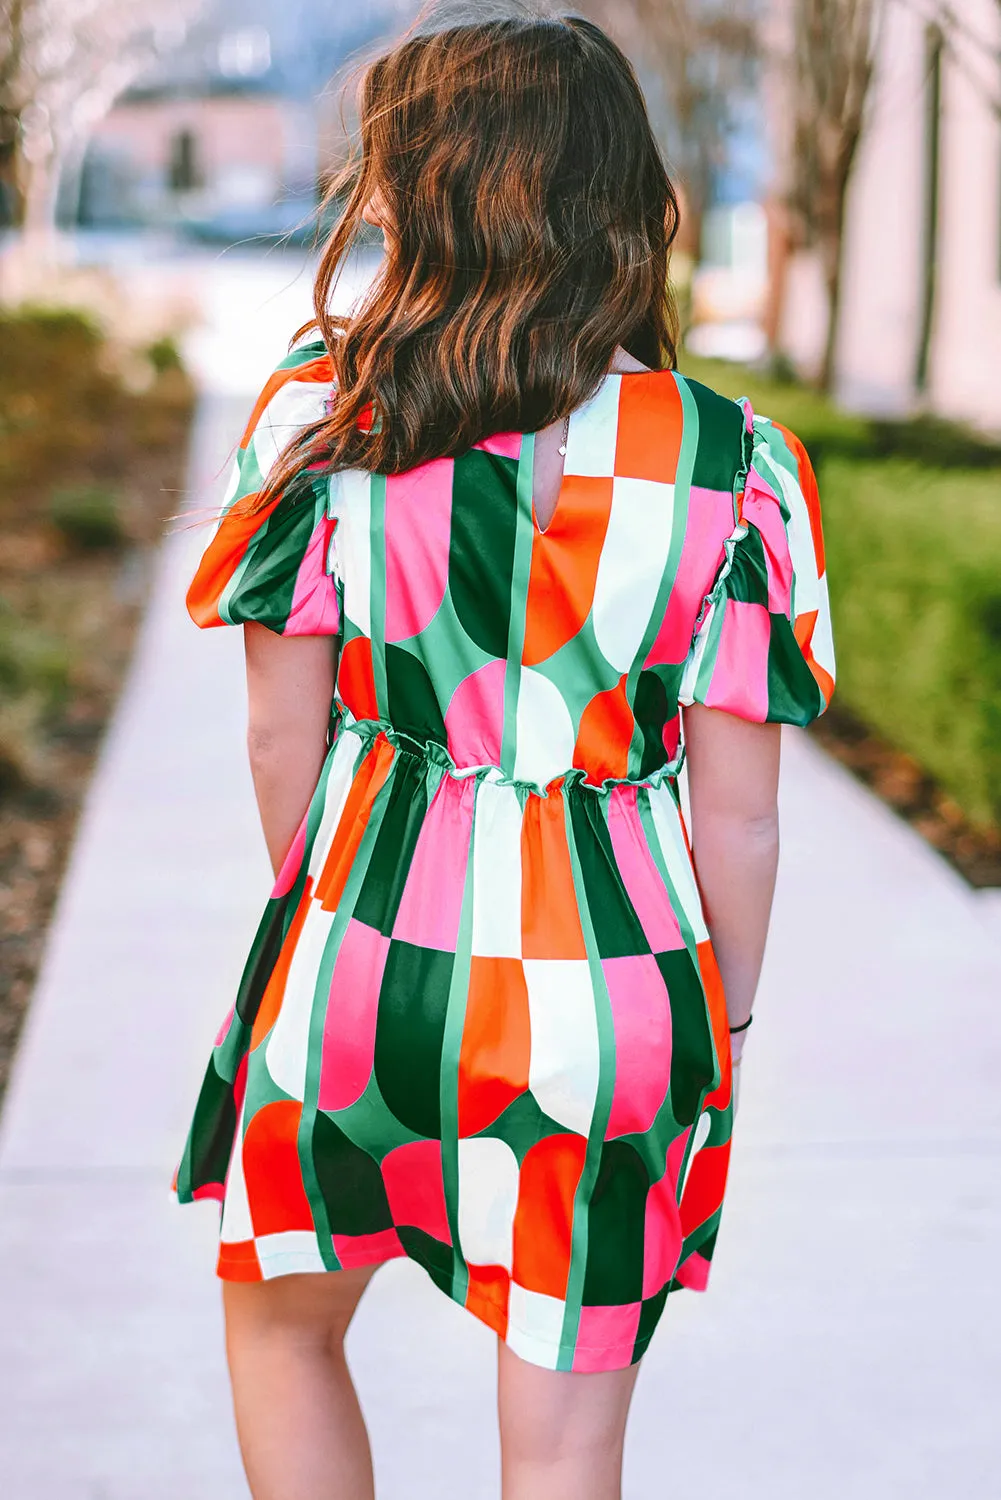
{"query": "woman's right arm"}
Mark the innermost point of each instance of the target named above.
(290, 688)
(733, 772)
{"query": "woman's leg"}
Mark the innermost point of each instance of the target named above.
(561, 1434)
(301, 1430)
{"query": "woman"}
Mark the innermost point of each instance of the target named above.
(484, 541)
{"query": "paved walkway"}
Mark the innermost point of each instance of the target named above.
(849, 1345)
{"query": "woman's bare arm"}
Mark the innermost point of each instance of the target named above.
(290, 687)
(733, 774)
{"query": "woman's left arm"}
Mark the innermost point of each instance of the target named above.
(290, 688)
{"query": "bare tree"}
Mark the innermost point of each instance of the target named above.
(62, 65)
(827, 86)
(702, 53)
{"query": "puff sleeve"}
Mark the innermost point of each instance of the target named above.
(274, 565)
(762, 647)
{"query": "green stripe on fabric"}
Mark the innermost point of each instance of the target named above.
(317, 1022)
(657, 855)
(455, 1020)
(600, 1114)
(679, 525)
(524, 537)
(377, 590)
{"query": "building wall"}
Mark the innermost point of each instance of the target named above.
(965, 367)
(883, 249)
(884, 246)
(248, 148)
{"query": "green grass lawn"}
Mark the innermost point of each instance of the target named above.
(912, 519)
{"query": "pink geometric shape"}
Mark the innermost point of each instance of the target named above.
(428, 914)
(739, 682)
(643, 881)
(315, 609)
(418, 529)
(693, 1272)
(662, 1235)
(710, 522)
(641, 1016)
(474, 719)
(291, 865)
(504, 444)
(367, 1249)
(352, 1009)
(761, 509)
(415, 1188)
(606, 1337)
(215, 1190)
(221, 1033)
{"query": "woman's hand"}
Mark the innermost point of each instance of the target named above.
(290, 689)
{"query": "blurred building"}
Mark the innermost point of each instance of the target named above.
(920, 322)
(226, 137)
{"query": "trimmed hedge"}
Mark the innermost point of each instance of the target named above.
(912, 518)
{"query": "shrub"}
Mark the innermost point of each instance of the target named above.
(88, 517)
(163, 354)
(914, 561)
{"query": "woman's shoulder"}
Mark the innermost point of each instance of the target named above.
(732, 440)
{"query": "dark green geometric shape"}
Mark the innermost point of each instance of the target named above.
(414, 709)
(615, 1222)
(650, 1311)
(617, 928)
(389, 863)
(409, 1034)
(653, 705)
(430, 1253)
(793, 694)
(481, 549)
(266, 590)
(692, 1052)
(262, 958)
(747, 581)
(350, 1182)
(720, 455)
(522, 1125)
(213, 1129)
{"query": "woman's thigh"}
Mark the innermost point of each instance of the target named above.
(312, 1308)
(552, 1417)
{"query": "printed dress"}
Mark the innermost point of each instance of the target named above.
(481, 1024)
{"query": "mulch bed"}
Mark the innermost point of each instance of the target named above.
(89, 602)
(912, 793)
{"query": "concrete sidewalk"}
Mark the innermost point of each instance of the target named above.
(850, 1342)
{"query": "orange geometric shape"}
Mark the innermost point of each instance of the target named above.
(564, 566)
(651, 421)
(803, 630)
(808, 484)
(605, 734)
(273, 1172)
(223, 555)
(369, 778)
(550, 920)
(712, 985)
(271, 1000)
(487, 1294)
(543, 1220)
(238, 1261)
(705, 1187)
(356, 678)
(496, 1042)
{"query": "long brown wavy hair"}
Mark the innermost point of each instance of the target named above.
(530, 222)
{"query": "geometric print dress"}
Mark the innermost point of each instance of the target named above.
(481, 1024)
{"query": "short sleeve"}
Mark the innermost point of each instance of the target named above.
(274, 564)
(763, 647)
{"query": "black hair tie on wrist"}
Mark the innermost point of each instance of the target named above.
(742, 1027)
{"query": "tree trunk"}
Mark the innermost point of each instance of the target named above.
(830, 248)
(40, 191)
